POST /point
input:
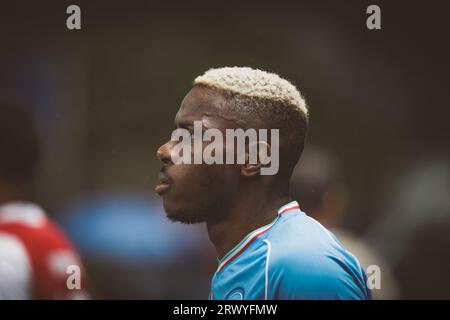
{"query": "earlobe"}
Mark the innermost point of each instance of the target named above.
(252, 165)
(250, 170)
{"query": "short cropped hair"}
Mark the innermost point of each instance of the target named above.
(254, 83)
(264, 100)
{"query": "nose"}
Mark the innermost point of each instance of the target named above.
(163, 153)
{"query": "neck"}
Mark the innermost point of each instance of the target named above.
(245, 216)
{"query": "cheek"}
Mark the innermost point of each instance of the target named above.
(200, 190)
(205, 182)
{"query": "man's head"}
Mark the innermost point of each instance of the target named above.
(232, 98)
(19, 148)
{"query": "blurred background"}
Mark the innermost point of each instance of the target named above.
(376, 169)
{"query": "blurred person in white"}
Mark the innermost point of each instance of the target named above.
(36, 259)
(316, 182)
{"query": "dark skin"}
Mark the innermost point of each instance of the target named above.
(233, 200)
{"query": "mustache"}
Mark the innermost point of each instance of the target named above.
(164, 176)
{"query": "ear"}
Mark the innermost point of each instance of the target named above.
(254, 159)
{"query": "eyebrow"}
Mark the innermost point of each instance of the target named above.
(184, 124)
(189, 125)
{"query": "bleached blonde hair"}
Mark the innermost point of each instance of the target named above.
(254, 83)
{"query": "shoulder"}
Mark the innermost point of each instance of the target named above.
(23, 214)
(307, 262)
(29, 223)
(31, 241)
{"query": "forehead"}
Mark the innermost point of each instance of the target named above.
(206, 105)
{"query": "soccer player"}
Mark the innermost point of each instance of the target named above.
(36, 259)
(267, 247)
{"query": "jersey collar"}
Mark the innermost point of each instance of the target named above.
(241, 246)
(293, 205)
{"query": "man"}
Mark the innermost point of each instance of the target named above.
(267, 247)
(36, 259)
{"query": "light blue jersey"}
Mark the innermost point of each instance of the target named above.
(294, 257)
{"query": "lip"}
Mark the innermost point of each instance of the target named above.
(162, 188)
(163, 184)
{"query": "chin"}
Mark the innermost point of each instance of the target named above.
(183, 214)
(185, 218)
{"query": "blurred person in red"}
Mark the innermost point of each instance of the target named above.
(37, 261)
(317, 183)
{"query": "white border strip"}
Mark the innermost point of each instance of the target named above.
(266, 273)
